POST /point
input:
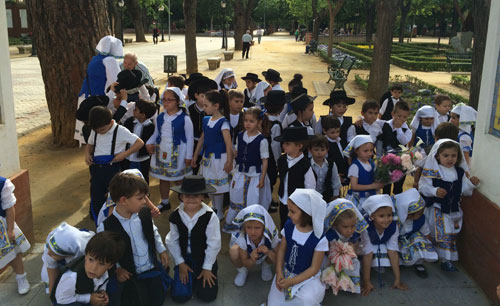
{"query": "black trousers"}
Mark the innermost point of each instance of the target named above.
(398, 187)
(100, 176)
(246, 49)
(283, 214)
(141, 292)
(206, 294)
(141, 166)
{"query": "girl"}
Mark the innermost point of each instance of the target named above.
(303, 109)
(250, 183)
(423, 127)
(13, 243)
(295, 82)
(380, 242)
(414, 232)
(226, 79)
(171, 144)
(290, 117)
(361, 171)
(257, 243)
(297, 280)
(464, 117)
(345, 223)
(443, 182)
(216, 147)
(63, 246)
(259, 94)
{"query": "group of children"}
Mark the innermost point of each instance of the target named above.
(239, 144)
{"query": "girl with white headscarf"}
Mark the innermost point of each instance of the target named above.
(443, 182)
(423, 126)
(226, 79)
(260, 91)
(301, 252)
(464, 117)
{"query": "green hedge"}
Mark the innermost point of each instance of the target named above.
(358, 55)
(462, 81)
(357, 65)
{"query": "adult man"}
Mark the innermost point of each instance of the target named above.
(247, 40)
(260, 32)
(130, 62)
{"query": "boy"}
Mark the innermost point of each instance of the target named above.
(303, 108)
(251, 80)
(396, 132)
(389, 103)
(331, 128)
(442, 104)
(338, 103)
(139, 274)
(369, 123)
(142, 126)
(86, 279)
(105, 151)
(273, 78)
(325, 172)
(235, 113)
(294, 168)
(192, 78)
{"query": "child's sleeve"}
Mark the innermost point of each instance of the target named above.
(353, 171)
(213, 242)
(189, 132)
(66, 290)
(383, 107)
(425, 187)
(264, 149)
(351, 133)
(318, 129)
(7, 195)
(392, 243)
(465, 143)
(172, 242)
(404, 136)
(309, 179)
(275, 146)
(425, 230)
(128, 137)
(335, 181)
(112, 70)
(467, 186)
(322, 245)
(152, 139)
(160, 247)
(366, 244)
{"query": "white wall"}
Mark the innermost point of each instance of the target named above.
(9, 155)
(486, 155)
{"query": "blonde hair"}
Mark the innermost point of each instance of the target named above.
(233, 93)
(347, 214)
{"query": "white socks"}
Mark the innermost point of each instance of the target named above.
(217, 202)
(231, 214)
(241, 277)
(23, 286)
(266, 273)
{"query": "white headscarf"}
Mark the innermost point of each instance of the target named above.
(431, 167)
(178, 92)
(425, 111)
(355, 143)
(468, 116)
(259, 92)
(377, 201)
(338, 206)
(109, 45)
(67, 240)
(312, 203)
(258, 213)
(224, 74)
(408, 202)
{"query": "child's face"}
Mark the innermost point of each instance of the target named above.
(444, 107)
(228, 81)
(210, 108)
(294, 212)
(308, 113)
(54, 255)
(455, 119)
(200, 99)
(95, 268)
(318, 153)
(292, 148)
(332, 133)
(396, 93)
(399, 117)
(192, 201)
(254, 230)
(365, 151)
(382, 217)
(346, 227)
(416, 215)
(251, 123)
(447, 157)
(339, 109)
(250, 84)
(169, 102)
(104, 129)
(138, 115)
(370, 115)
(134, 203)
(235, 105)
(427, 121)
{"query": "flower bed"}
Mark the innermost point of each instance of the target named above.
(462, 81)
(338, 55)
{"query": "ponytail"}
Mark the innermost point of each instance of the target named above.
(219, 97)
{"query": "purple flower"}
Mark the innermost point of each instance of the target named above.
(396, 175)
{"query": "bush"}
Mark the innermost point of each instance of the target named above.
(462, 81)
(15, 41)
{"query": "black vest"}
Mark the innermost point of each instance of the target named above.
(84, 285)
(247, 103)
(237, 129)
(296, 174)
(388, 110)
(127, 260)
(196, 117)
(327, 186)
(272, 167)
(389, 137)
(360, 130)
(343, 131)
(147, 132)
(335, 155)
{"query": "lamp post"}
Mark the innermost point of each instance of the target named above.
(168, 20)
(224, 42)
(161, 9)
(121, 3)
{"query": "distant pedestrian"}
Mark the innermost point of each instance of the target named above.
(297, 32)
(156, 33)
(260, 32)
(247, 40)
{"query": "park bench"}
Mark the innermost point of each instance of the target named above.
(228, 55)
(128, 40)
(339, 72)
(457, 58)
(24, 49)
(213, 62)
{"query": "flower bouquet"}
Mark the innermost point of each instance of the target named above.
(340, 256)
(391, 167)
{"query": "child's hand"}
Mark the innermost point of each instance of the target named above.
(98, 298)
(155, 212)
(474, 180)
(441, 193)
(367, 288)
(254, 255)
(193, 163)
(119, 157)
(400, 286)
(188, 162)
(208, 278)
(122, 275)
(228, 166)
(150, 148)
(89, 160)
(183, 272)
(113, 85)
(378, 185)
(263, 249)
(285, 283)
(164, 259)
(279, 278)
(359, 122)
(261, 182)
(11, 235)
(123, 94)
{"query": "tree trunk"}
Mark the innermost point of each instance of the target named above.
(333, 11)
(135, 12)
(189, 9)
(111, 16)
(315, 33)
(242, 16)
(63, 58)
(379, 70)
(370, 19)
(480, 14)
(405, 8)
(118, 17)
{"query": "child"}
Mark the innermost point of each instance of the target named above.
(256, 244)
(325, 172)
(303, 108)
(361, 171)
(465, 117)
(369, 123)
(171, 144)
(86, 280)
(443, 183)
(423, 127)
(442, 103)
(414, 233)
(389, 103)
(251, 81)
(64, 245)
(295, 82)
(176, 81)
(395, 132)
(250, 183)
(13, 243)
(273, 78)
(141, 277)
(345, 223)
(235, 113)
(291, 116)
(380, 242)
(188, 82)
(294, 168)
(226, 80)
(216, 147)
(105, 151)
(142, 126)
(194, 242)
(338, 103)
(301, 252)
(331, 129)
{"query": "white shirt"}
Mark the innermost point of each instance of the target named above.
(212, 232)
(374, 129)
(275, 132)
(145, 72)
(351, 131)
(465, 142)
(7, 195)
(407, 227)
(309, 180)
(264, 152)
(277, 87)
(225, 126)
(140, 252)
(368, 247)
(301, 239)
(336, 141)
(138, 127)
(104, 141)
(403, 137)
(384, 104)
(354, 170)
(65, 292)
(112, 69)
(242, 239)
(291, 117)
(246, 37)
(321, 172)
(442, 118)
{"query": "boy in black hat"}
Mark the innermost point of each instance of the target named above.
(251, 80)
(273, 78)
(338, 103)
(294, 168)
(194, 241)
(192, 78)
(303, 108)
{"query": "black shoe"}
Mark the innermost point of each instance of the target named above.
(421, 271)
(164, 207)
(273, 207)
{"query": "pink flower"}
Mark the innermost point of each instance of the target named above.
(406, 162)
(329, 277)
(341, 255)
(345, 283)
(418, 155)
(385, 160)
(396, 160)
(396, 175)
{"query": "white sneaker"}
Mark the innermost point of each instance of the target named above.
(266, 273)
(23, 286)
(241, 277)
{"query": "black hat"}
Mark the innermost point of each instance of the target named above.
(193, 184)
(251, 76)
(296, 133)
(274, 97)
(296, 91)
(203, 81)
(83, 111)
(193, 77)
(301, 102)
(339, 96)
(272, 75)
(129, 79)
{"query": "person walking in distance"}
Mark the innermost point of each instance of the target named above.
(247, 41)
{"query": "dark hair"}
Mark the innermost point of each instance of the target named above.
(273, 108)
(219, 97)
(260, 116)
(233, 93)
(126, 185)
(329, 122)
(146, 108)
(369, 105)
(296, 81)
(396, 87)
(438, 99)
(99, 116)
(347, 214)
(446, 130)
(106, 246)
(450, 145)
(305, 219)
(319, 141)
(176, 81)
(401, 106)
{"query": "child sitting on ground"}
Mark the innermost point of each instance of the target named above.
(235, 113)
(442, 104)
(389, 103)
(194, 241)
(423, 127)
(325, 172)
(465, 118)
(257, 243)
(331, 129)
(338, 103)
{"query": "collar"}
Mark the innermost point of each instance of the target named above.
(121, 218)
(288, 158)
(325, 163)
(146, 122)
(333, 140)
(176, 114)
(261, 242)
(272, 117)
(204, 208)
